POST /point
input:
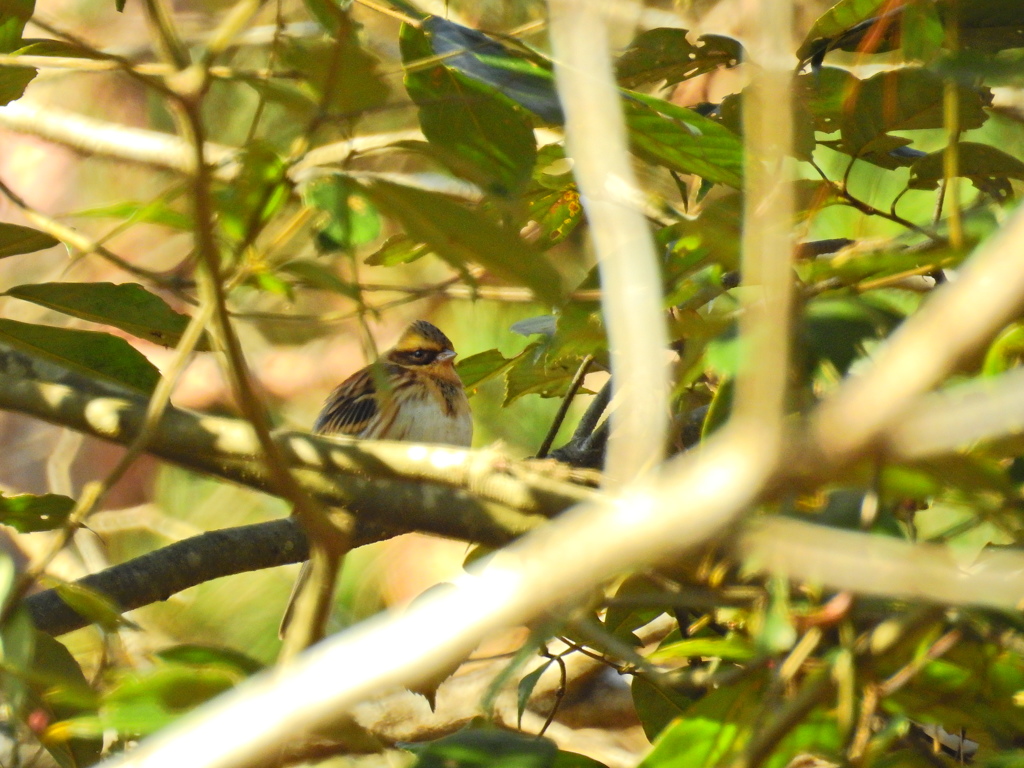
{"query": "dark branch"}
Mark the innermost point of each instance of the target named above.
(158, 575)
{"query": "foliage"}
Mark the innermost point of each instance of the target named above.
(753, 671)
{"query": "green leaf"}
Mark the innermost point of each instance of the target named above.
(521, 76)
(778, 633)
(94, 354)
(93, 605)
(554, 212)
(712, 729)
(317, 275)
(462, 236)
(209, 655)
(682, 140)
(255, 194)
(488, 137)
(732, 648)
(339, 73)
(26, 513)
(143, 702)
(623, 617)
(573, 760)
(835, 329)
(905, 99)
(981, 163)
(828, 30)
(397, 249)
(487, 749)
(127, 306)
(17, 648)
(657, 705)
(533, 373)
(60, 688)
(525, 689)
(666, 55)
(153, 212)
(14, 81)
(15, 239)
(816, 734)
(348, 219)
(921, 33)
(482, 367)
(14, 14)
(987, 25)
(61, 48)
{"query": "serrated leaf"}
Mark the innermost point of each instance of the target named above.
(94, 354)
(481, 367)
(348, 218)
(554, 213)
(463, 236)
(127, 306)
(682, 140)
(27, 513)
(489, 139)
(14, 81)
(15, 239)
(531, 373)
(905, 99)
(666, 55)
(981, 163)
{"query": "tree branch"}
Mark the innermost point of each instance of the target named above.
(158, 575)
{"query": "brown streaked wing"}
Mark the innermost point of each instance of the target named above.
(351, 407)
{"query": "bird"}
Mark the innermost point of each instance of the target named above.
(411, 393)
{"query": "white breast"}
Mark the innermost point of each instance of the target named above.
(424, 422)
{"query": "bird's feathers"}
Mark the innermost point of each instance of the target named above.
(412, 393)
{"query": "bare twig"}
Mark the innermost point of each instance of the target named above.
(563, 408)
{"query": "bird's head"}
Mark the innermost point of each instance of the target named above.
(423, 347)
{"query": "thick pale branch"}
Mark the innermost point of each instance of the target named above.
(883, 566)
(479, 496)
(630, 280)
(952, 326)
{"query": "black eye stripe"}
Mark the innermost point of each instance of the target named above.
(417, 356)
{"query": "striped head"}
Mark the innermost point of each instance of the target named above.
(424, 348)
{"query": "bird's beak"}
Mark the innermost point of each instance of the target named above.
(445, 355)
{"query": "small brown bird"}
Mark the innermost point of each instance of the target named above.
(411, 393)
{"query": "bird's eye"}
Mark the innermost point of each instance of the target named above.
(420, 354)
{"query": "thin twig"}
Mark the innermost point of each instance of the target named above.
(563, 409)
